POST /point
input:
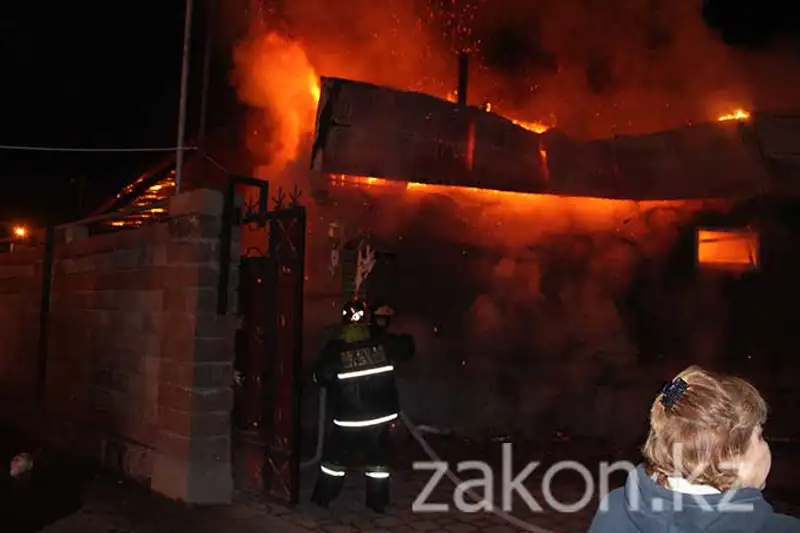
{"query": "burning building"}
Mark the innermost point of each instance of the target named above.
(553, 276)
(547, 276)
(535, 311)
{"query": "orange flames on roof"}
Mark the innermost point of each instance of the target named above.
(534, 126)
(738, 114)
(512, 200)
(279, 76)
(275, 73)
(314, 90)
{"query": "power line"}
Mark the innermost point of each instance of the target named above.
(90, 150)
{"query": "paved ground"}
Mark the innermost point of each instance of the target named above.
(118, 507)
(114, 506)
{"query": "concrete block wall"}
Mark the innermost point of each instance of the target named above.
(139, 364)
(20, 294)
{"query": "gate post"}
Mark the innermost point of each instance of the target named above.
(284, 358)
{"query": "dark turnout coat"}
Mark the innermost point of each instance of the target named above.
(359, 377)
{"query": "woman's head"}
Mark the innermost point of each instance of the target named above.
(712, 434)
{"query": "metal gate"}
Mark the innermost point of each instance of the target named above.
(269, 340)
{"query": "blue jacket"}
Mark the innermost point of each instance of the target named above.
(643, 506)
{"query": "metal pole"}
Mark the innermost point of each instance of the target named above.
(201, 136)
(463, 78)
(187, 40)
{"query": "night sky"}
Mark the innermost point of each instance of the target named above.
(84, 74)
(106, 74)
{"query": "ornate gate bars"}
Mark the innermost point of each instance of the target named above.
(269, 354)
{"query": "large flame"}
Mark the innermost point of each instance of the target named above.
(554, 214)
(278, 76)
(275, 74)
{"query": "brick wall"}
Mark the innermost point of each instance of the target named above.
(138, 365)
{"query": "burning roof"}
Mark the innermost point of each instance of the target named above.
(368, 134)
(143, 200)
(369, 130)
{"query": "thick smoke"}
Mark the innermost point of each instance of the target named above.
(619, 66)
(623, 66)
(594, 68)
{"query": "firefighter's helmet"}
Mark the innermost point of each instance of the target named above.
(355, 312)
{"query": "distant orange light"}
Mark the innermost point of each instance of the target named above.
(20, 232)
(729, 249)
(739, 114)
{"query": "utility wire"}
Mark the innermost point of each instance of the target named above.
(89, 150)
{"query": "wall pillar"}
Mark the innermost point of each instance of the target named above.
(195, 397)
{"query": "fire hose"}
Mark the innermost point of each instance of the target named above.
(511, 519)
(323, 395)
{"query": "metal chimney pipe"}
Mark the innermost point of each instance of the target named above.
(463, 78)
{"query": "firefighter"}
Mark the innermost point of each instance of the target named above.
(358, 371)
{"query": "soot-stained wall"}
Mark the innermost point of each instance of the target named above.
(557, 316)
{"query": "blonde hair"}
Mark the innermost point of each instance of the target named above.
(705, 431)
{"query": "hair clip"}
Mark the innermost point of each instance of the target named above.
(673, 391)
